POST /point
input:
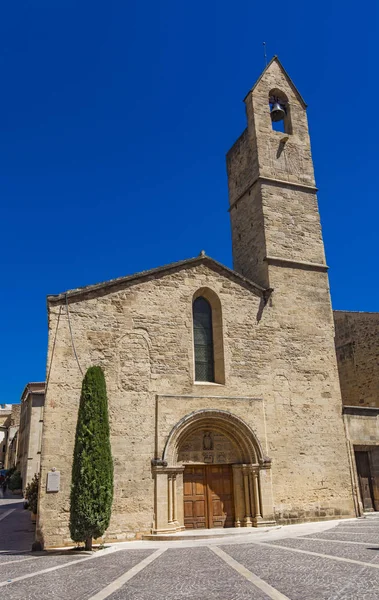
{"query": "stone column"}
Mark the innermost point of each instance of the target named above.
(246, 486)
(255, 493)
(168, 499)
(264, 490)
(239, 500)
(169, 502)
(174, 500)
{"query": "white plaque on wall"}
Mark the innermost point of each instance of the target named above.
(53, 481)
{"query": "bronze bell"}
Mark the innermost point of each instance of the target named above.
(277, 112)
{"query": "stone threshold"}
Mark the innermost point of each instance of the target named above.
(204, 534)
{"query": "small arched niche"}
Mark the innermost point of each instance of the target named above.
(207, 325)
(277, 97)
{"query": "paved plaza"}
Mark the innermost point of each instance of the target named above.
(319, 561)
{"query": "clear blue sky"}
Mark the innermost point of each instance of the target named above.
(114, 124)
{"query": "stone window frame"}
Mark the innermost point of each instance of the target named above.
(218, 336)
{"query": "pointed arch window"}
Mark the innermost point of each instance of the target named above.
(203, 340)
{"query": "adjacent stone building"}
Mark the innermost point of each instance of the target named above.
(30, 432)
(5, 413)
(9, 424)
(224, 398)
(357, 348)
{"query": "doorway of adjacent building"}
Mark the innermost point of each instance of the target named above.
(208, 496)
(365, 479)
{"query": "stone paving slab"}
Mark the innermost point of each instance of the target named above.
(365, 553)
(13, 555)
(190, 569)
(188, 573)
(367, 538)
(81, 581)
(305, 577)
(30, 566)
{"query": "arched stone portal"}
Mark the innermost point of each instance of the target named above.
(213, 473)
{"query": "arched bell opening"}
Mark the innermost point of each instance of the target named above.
(217, 475)
(280, 111)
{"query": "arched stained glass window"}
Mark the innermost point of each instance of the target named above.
(203, 340)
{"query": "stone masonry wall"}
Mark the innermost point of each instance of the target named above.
(289, 161)
(280, 366)
(248, 237)
(357, 347)
(277, 241)
(141, 334)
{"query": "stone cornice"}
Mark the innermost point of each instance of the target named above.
(296, 264)
(286, 183)
(279, 182)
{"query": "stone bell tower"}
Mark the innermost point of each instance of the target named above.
(277, 243)
(273, 204)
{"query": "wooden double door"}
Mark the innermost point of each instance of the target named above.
(208, 496)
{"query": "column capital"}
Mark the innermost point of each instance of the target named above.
(265, 462)
(168, 470)
(250, 468)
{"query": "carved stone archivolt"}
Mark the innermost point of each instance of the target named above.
(213, 437)
(214, 432)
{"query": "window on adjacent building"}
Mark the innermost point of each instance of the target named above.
(203, 340)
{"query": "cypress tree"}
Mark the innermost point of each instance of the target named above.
(92, 469)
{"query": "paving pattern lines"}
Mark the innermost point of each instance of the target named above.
(372, 538)
(375, 546)
(322, 555)
(364, 553)
(12, 556)
(12, 559)
(257, 581)
(78, 581)
(120, 581)
(305, 576)
(188, 574)
(355, 529)
(349, 590)
(22, 568)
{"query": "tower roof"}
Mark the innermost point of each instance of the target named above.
(276, 60)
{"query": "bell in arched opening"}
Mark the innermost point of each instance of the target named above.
(277, 112)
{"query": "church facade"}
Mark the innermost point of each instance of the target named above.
(223, 389)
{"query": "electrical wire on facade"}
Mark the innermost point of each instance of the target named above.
(72, 337)
(53, 348)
